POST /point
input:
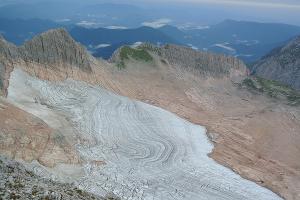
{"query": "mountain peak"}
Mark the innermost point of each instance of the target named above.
(1, 37)
(8, 51)
(61, 32)
(54, 47)
(282, 64)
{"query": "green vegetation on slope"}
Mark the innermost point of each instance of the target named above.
(127, 52)
(150, 47)
(273, 89)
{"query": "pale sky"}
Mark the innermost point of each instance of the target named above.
(291, 4)
(269, 3)
(207, 11)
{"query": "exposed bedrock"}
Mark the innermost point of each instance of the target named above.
(53, 50)
(8, 53)
(55, 47)
(27, 137)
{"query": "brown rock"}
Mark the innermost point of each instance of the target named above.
(23, 136)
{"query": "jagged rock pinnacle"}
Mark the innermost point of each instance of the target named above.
(54, 47)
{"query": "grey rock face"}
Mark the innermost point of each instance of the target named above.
(282, 64)
(8, 52)
(205, 62)
(2, 71)
(55, 47)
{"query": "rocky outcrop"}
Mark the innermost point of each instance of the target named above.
(282, 64)
(24, 136)
(16, 182)
(53, 48)
(7, 50)
(206, 63)
(8, 53)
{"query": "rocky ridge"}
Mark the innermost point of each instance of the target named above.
(208, 64)
(203, 63)
(282, 64)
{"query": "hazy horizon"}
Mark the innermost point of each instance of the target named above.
(200, 12)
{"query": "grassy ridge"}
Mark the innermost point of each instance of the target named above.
(273, 89)
(151, 47)
(127, 52)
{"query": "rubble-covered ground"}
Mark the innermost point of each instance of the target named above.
(16, 182)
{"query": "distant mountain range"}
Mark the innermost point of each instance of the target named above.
(99, 14)
(18, 31)
(103, 42)
(248, 41)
